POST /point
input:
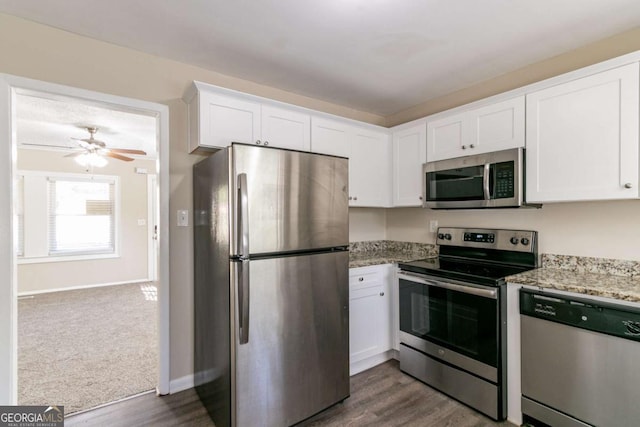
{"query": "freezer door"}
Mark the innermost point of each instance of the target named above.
(294, 201)
(295, 362)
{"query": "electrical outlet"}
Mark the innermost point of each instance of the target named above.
(433, 225)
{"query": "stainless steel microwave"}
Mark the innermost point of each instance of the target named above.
(491, 180)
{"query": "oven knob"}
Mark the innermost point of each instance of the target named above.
(514, 240)
(447, 236)
(440, 236)
(524, 241)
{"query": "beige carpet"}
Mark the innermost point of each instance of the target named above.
(87, 347)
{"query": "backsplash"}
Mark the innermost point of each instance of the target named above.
(579, 264)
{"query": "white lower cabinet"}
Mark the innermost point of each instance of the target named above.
(371, 315)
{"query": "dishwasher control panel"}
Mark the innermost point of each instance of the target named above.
(612, 319)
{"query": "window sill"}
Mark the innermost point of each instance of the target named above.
(65, 258)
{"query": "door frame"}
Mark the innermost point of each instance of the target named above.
(9, 86)
(152, 223)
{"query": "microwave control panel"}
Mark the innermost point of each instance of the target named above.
(504, 178)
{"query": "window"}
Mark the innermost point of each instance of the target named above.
(81, 216)
(65, 216)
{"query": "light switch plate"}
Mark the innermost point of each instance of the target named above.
(183, 218)
(433, 225)
(142, 222)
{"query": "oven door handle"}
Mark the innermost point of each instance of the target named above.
(485, 293)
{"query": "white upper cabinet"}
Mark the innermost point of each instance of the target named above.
(370, 169)
(409, 154)
(331, 137)
(285, 129)
(217, 118)
(582, 138)
(369, 156)
(494, 127)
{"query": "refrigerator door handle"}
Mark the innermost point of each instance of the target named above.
(243, 301)
(243, 213)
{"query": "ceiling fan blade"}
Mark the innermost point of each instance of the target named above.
(118, 156)
(128, 151)
(75, 154)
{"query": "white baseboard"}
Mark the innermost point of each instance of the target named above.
(181, 384)
(370, 362)
(75, 288)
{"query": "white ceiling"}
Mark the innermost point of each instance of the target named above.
(380, 56)
(50, 122)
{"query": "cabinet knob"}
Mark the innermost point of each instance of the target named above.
(258, 141)
(266, 143)
(355, 198)
(628, 185)
(464, 147)
(471, 146)
(360, 279)
(381, 294)
(420, 197)
(350, 198)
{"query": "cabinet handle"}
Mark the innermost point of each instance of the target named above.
(464, 147)
(628, 185)
(258, 141)
(471, 146)
(381, 294)
(266, 143)
(360, 279)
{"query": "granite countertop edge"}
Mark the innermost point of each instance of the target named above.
(593, 284)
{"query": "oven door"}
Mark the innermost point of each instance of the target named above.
(453, 321)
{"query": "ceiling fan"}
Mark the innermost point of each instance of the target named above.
(94, 151)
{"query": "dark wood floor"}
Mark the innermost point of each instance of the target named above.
(382, 396)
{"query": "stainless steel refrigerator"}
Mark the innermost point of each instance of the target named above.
(271, 284)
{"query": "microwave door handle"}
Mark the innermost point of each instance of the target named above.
(485, 181)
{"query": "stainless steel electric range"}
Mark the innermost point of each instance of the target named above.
(453, 313)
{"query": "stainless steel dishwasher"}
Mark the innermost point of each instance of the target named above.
(580, 361)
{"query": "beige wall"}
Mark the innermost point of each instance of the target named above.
(598, 229)
(40, 52)
(611, 47)
(132, 263)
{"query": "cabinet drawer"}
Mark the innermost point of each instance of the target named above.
(365, 280)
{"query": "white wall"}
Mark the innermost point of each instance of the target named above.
(595, 229)
(131, 265)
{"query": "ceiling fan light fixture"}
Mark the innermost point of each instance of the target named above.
(91, 160)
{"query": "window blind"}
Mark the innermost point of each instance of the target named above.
(81, 216)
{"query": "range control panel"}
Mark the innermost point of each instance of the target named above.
(510, 240)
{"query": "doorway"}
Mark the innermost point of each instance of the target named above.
(104, 222)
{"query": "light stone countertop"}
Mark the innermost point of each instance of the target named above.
(378, 252)
(625, 288)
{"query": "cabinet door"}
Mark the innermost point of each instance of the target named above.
(330, 137)
(369, 169)
(368, 303)
(582, 138)
(446, 136)
(286, 129)
(409, 154)
(224, 120)
(496, 127)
